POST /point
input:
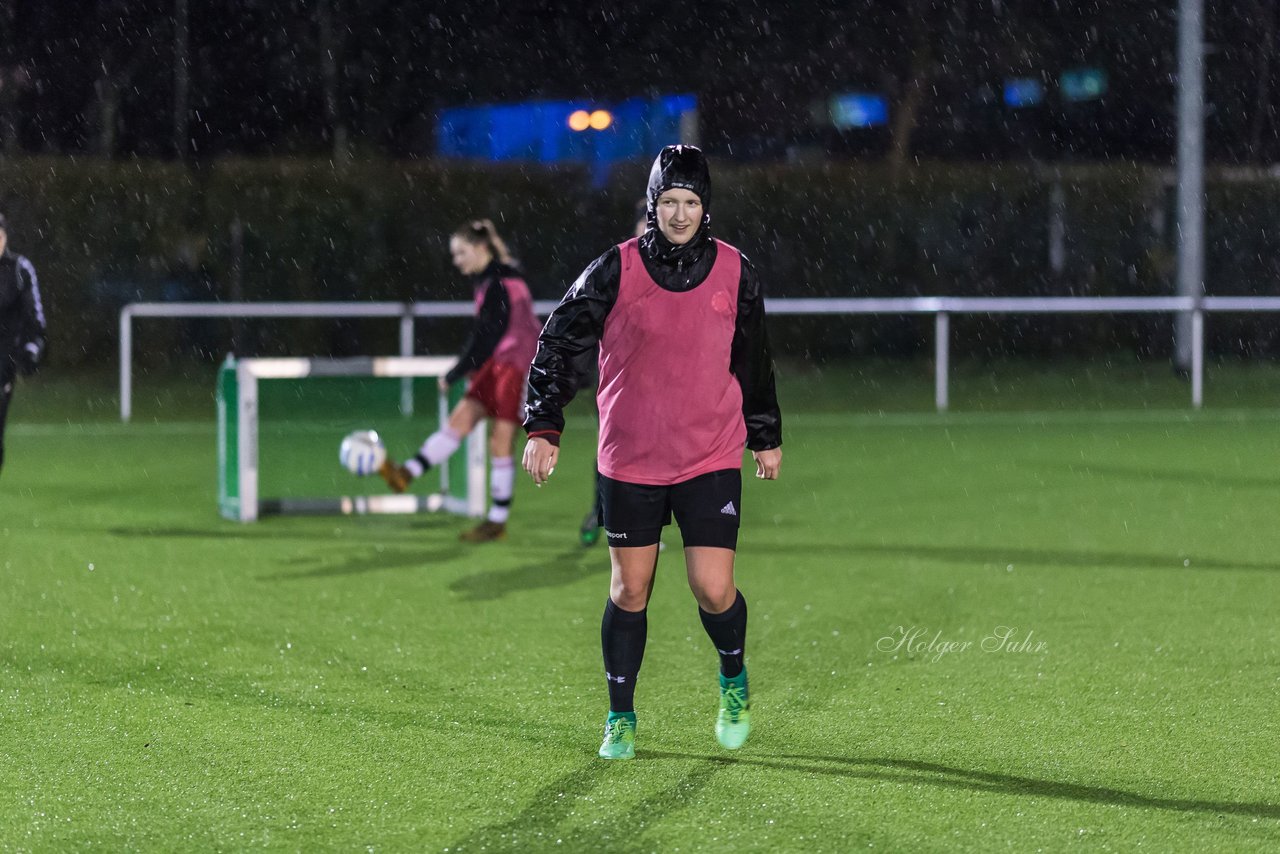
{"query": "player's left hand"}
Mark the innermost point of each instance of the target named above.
(767, 463)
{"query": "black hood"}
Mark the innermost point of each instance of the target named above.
(681, 167)
(680, 267)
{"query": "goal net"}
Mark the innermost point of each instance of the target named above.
(280, 422)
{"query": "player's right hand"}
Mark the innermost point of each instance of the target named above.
(540, 459)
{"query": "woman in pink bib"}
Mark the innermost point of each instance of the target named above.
(686, 385)
(495, 361)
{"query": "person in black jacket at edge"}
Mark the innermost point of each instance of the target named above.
(22, 325)
(686, 386)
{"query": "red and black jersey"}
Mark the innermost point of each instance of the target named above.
(506, 328)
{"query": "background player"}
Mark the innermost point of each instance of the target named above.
(496, 359)
(22, 325)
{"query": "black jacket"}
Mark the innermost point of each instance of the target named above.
(567, 345)
(22, 327)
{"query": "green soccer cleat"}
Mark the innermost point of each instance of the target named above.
(733, 724)
(619, 736)
(589, 530)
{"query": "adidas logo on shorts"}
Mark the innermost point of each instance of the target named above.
(728, 510)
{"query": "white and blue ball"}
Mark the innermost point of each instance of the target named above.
(362, 452)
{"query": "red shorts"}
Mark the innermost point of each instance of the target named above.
(499, 388)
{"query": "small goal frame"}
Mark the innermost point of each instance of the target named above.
(237, 400)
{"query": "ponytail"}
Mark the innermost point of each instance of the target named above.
(482, 231)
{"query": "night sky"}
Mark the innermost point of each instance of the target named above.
(98, 77)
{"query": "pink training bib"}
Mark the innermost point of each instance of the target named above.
(519, 343)
(670, 410)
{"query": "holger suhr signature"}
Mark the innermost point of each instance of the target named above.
(919, 640)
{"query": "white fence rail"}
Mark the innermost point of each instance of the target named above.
(940, 307)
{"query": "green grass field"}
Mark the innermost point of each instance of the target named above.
(173, 681)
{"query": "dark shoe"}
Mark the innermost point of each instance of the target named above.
(396, 476)
(485, 532)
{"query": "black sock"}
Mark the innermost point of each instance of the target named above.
(622, 637)
(728, 631)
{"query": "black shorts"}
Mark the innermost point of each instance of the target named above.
(706, 508)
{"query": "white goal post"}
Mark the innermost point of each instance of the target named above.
(239, 496)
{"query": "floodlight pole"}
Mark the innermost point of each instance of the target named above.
(1190, 173)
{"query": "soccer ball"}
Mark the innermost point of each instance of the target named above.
(362, 452)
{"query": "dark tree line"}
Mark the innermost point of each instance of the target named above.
(202, 78)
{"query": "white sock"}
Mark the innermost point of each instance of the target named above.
(502, 482)
(439, 446)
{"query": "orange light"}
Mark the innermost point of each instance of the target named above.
(579, 120)
(601, 119)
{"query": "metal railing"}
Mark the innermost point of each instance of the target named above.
(406, 312)
(942, 308)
